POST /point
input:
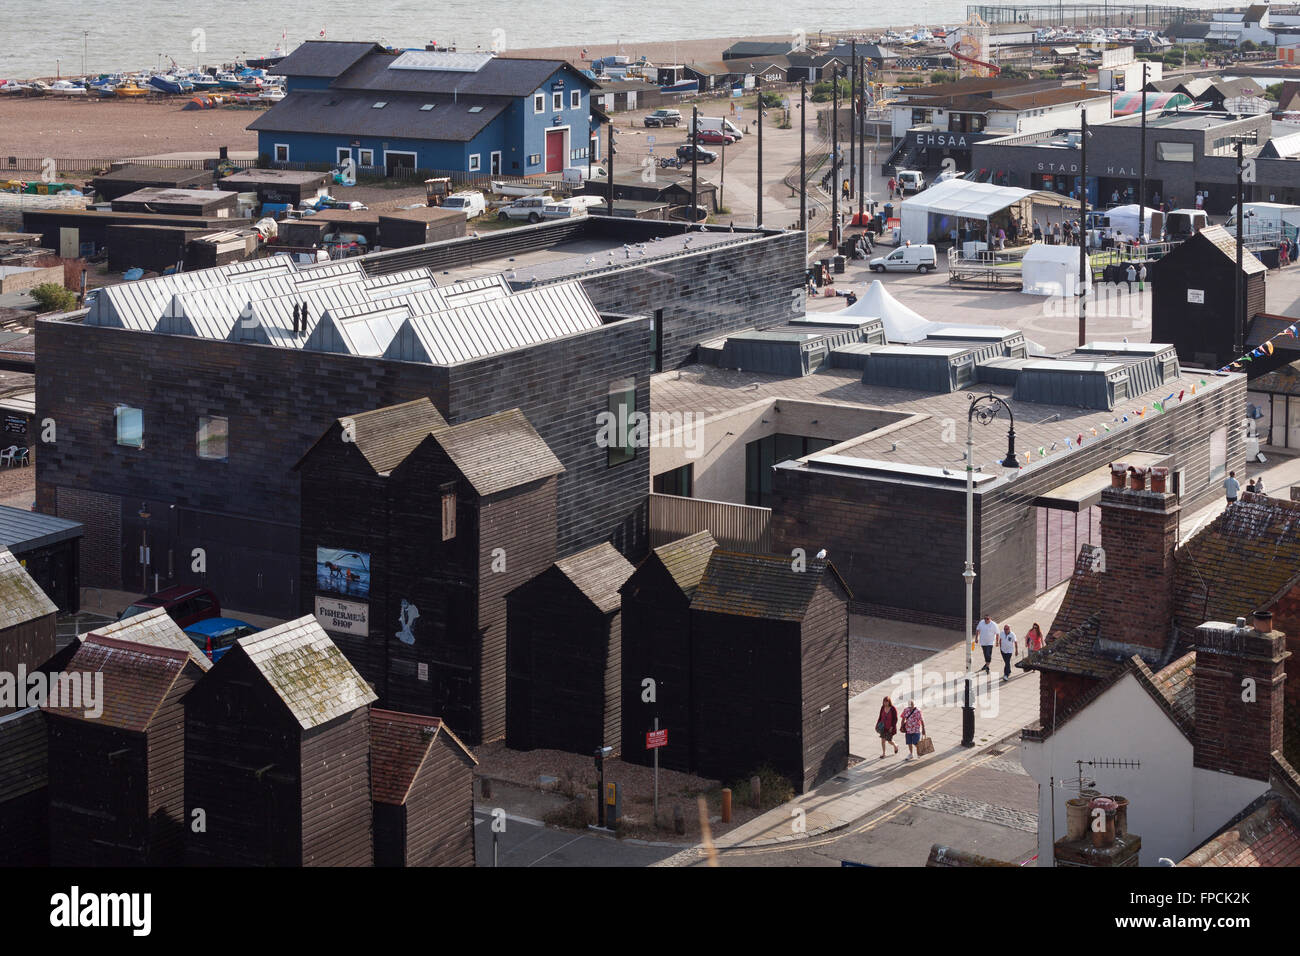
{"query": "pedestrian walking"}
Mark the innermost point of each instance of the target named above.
(1002, 239)
(1259, 485)
(1034, 639)
(1231, 487)
(913, 728)
(887, 726)
(986, 632)
(1142, 278)
(1132, 276)
(1008, 644)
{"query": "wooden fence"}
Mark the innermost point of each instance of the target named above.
(38, 164)
(734, 527)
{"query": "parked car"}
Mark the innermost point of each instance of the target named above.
(716, 137)
(185, 604)
(706, 156)
(215, 635)
(664, 118)
(470, 203)
(530, 208)
(920, 258)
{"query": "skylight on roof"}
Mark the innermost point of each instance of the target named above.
(427, 106)
(476, 109)
(380, 105)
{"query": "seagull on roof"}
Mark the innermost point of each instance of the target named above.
(821, 555)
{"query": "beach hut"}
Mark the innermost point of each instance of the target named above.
(422, 785)
(564, 654)
(770, 668)
(117, 755)
(656, 631)
(277, 754)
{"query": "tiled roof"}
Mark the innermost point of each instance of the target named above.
(1268, 835)
(136, 680)
(498, 451)
(598, 573)
(1076, 652)
(1239, 563)
(1082, 594)
(399, 745)
(307, 671)
(21, 599)
(154, 628)
(686, 559)
(1173, 689)
(761, 585)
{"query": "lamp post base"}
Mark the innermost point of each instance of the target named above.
(968, 726)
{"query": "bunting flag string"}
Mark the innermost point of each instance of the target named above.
(1293, 331)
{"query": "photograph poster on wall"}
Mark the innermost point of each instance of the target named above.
(343, 572)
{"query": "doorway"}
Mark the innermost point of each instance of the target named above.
(556, 149)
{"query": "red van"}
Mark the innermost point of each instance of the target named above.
(185, 605)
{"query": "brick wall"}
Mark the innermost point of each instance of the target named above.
(1059, 694)
(1139, 530)
(101, 515)
(1286, 618)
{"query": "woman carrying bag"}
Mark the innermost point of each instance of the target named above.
(887, 726)
(914, 729)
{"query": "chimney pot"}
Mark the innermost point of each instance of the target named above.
(1138, 478)
(1241, 622)
(1117, 471)
(1264, 622)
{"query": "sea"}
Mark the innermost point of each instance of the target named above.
(73, 37)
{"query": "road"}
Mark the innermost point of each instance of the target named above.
(530, 843)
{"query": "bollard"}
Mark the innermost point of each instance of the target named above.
(679, 820)
(755, 792)
(726, 804)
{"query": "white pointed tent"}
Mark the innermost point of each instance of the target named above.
(901, 323)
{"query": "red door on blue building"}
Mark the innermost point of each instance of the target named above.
(554, 150)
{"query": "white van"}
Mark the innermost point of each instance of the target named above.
(721, 124)
(907, 258)
(470, 203)
(911, 180)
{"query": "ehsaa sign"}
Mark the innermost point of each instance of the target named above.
(343, 617)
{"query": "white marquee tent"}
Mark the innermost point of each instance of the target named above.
(901, 323)
(1050, 270)
(933, 212)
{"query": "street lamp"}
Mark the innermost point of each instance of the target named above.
(983, 409)
(1085, 267)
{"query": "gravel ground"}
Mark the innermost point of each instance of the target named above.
(104, 129)
(870, 662)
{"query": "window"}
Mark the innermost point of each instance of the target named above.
(130, 426)
(475, 162)
(1175, 152)
(476, 109)
(575, 99)
(534, 159)
(1218, 453)
(539, 102)
(213, 438)
(763, 453)
(281, 152)
(557, 101)
(367, 157)
(657, 341)
(448, 511)
(622, 405)
(427, 106)
(679, 481)
(342, 154)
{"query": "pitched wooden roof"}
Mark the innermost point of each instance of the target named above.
(761, 585)
(598, 573)
(307, 671)
(136, 678)
(399, 746)
(21, 599)
(385, 436)
(154, 628)
(498, 451)
(686, 559)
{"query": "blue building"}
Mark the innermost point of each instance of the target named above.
(474, 113)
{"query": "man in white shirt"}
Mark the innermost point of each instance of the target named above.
(1008, 645)
(987, 632)
(1231, 487)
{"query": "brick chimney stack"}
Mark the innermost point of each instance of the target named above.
(1139, 529)
(1239, 683)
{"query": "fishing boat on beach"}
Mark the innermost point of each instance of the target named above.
(131, 90)
(67, 88)
(166, 84)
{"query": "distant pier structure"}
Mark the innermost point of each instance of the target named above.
(1147, 16)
